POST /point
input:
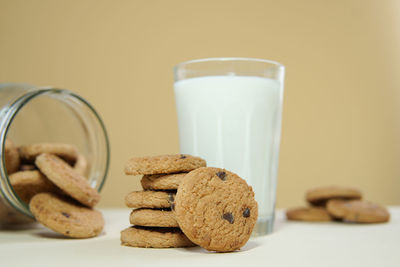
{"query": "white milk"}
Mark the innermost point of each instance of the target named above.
(234, 122)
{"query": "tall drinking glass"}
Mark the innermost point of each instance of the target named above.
(229, 113)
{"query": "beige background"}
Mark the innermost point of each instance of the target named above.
(341, 120)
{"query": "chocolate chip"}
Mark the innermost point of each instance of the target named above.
(65, 214)
(229, 217)
(172, 206)
(67, 232)
(221, 175)
(183, 156)
(246, 212)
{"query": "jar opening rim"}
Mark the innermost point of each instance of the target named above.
(13, 109)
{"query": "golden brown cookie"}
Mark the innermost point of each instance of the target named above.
(149, 199)
(148, 237)
(11, 156)
(162, 181)
(65, 216)
(71, 182)
(81, 165)
(29, 183)
(311, 214)
(216, 209)
(163, 164)
(67, 152)
(153, 217)
(318, 196)
(357, 211)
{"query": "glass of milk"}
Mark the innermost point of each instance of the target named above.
(229, 113)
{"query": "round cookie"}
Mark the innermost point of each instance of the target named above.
(162, 181)
(357, 211)
(216, 209)
(149, 199)
(163, 164)
(310, 214)
(153, 218)
(29, 183)
(67, 152)
(318, 196)
(65, 216)
(81, 165)
(71, 182)
(11, 156)
(148, 237)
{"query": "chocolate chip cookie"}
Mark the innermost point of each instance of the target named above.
(149, 199)
(216, 209)
(162, 181)
(357, 211)
(153, 218)
(67, 152)
(311, 214)
(29, 183)
(318, 196)
(163, 164)
(71, 182)
(65, 216)
(152, 237)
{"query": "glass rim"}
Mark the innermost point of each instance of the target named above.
(216, 59)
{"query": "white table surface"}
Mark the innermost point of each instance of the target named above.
(291, 244)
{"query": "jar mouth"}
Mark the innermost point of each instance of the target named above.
(11, 113)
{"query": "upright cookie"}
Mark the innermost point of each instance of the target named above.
(311, 214)
(66, 217)
(11, 156)
(71, 182)
(162, 181)
(318, 196)
(29, 183)
(163, 164)
(67, 152)
(357, 211)
(146, 237)
(149, 199)
(216, 209)
(153, 218)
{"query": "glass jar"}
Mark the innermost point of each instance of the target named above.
(48, 115)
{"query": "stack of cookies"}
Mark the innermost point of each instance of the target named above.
(338, 203)
(50, 178)
(154, 223)
(209, 207)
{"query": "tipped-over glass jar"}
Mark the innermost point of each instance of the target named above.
(48, 115)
